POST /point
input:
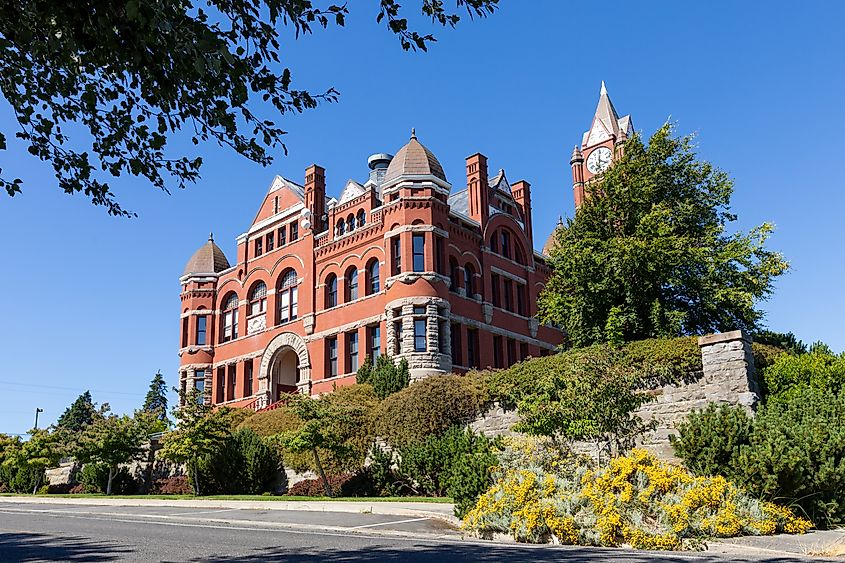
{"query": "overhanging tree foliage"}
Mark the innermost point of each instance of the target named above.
(98, 89)
(649, 253)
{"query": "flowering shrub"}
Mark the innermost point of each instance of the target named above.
(636, 500)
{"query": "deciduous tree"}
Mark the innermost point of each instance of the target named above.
(650, 252)
(99, 89)
(111, 440)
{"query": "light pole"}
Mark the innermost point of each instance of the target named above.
(37, 410)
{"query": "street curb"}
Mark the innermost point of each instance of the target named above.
(443, 512)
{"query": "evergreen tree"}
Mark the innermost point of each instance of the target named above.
(78, 415)
(650, 254)
(156, 402)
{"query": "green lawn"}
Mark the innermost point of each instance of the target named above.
(247, 497)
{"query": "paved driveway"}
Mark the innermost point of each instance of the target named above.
(68, 532)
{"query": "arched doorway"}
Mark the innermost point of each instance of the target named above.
(284, 373)
(285, 368)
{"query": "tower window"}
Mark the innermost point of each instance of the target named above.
(201, 330)
(397, 330)
(419, 335)
(396, 255)
(419, 252)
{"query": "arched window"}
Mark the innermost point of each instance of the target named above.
(287, 297)
(351, 284)
(373, 281)
(331, 291)
(494, 242)
(453, 273)
(469, 280)
(258, 299)
(230, 318)
(350, 223)
(341, 227)
(506, 243)
(362, 218)
(520, 256)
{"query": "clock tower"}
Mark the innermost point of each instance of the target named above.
(599, 145)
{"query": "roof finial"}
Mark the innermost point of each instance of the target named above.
(413, 133)
(603, 89)
(211, 236)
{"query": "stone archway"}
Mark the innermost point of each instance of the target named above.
(277, 359)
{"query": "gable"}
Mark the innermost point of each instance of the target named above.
(283, 194)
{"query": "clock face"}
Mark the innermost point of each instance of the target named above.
(599, 160)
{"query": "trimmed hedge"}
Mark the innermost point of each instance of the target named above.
(430, 407)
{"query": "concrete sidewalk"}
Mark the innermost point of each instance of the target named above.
(442, 511)
(827, 543)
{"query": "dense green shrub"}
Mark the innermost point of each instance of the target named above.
(21, 479)
(94, 478)
(793, 452)
(709, 441)
(456, 464)
(589, 394)
(786, 342)
(386, 376)
(667, 358)
(819, 369)
(246, 464)
(428, 407)
(796, 453)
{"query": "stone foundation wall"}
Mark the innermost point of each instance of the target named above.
(728, 376)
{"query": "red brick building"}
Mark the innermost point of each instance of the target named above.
(401, 264)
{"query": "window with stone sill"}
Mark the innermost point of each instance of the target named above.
(258, 299)
(269, 240)
(230, 318)
(351, 284)
(287, 297)
(331, 291)
(202, 322)
(258, 248)
(294, 231)
(419, 329)
(282, 236)
(373, 272)
(362, 218)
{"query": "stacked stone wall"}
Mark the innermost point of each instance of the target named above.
(727, 376)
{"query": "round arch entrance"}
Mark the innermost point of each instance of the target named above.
(285, 368)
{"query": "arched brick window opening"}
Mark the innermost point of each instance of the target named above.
(351, 283)
(469, 280)
(362, 218)
(331, 291)
(341, 227)
(229, 318)
(258, 299)
(454, 274)
(287, 296)
(350, 223)
(373, 277)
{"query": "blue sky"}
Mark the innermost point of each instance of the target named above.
(92, 302)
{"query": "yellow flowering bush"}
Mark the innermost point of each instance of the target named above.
(636, 500)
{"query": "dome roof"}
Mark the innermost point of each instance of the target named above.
(209, 258)
(414, 160)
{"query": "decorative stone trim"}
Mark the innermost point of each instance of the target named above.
(295, 343)
(500, 331)
(506, 274)
(416, 229)
(411, 277)
(344, 328)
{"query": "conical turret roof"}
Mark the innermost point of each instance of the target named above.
(208, 259)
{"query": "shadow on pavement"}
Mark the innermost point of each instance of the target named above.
(41, 547)
(483, 553)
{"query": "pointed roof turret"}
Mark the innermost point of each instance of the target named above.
(606, 122)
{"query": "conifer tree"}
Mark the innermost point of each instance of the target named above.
(78, 415)
(155, 402)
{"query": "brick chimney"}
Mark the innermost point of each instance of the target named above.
(315, 195)
(522, 196)
(478, 188)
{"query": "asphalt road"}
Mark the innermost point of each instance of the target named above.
(105, 533)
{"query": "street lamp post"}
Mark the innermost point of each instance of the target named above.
(37, 410)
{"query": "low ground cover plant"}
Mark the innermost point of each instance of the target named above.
(635, 500)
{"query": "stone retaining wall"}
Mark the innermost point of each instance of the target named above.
(728, 376)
